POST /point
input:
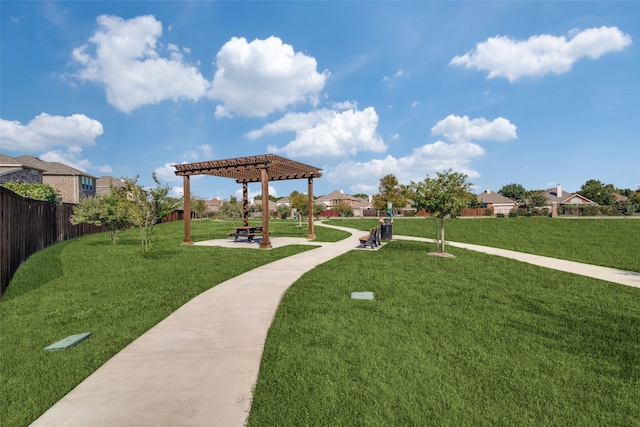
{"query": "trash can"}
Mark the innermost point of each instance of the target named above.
(386, 231)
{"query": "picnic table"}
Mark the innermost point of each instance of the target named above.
(248, 231)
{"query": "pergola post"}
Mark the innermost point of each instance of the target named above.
(187, 210)
(311, 235)
(245, 204)
(264, 179)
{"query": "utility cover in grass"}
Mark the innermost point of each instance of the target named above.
(68, 342)
(362, 295)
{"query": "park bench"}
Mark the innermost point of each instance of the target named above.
(372, 239)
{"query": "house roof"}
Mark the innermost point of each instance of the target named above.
(249, 169)
(8, 161)
(108, 181)
(558, 196)
(489, 196)
(51, 168)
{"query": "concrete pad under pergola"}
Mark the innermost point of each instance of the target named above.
(262, 168)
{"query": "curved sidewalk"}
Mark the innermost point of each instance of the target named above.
(199, 365)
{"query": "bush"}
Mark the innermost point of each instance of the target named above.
(489, 212)
(513, 213)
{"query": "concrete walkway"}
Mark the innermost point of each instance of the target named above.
(199, 365)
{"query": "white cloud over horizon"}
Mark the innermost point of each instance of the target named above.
(503, 56)
(327, 133)
(259, 77)
(457, 154)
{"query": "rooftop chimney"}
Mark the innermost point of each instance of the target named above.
(559, 190)
(488, 191)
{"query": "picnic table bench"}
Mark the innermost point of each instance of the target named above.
(372, 239)
(246, 231)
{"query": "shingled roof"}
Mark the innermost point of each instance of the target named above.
(52, 168)
(248, 169)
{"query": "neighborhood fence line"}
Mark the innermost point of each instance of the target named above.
(27, 226)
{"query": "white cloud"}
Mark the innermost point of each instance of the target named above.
(124, 56)
(202, 152)
(46, 131)
(399, 74)
(542, 54)
(71, 157)
(166, 173)
(423, 161)
(456, 128)
(346, 105)
(257, 78)
(327, 133)
(176, 192)
(253, 194)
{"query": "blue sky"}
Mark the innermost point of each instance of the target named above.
(536, 93)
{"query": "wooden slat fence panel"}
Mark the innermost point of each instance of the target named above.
(28, 226)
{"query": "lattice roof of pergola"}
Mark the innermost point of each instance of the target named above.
(248, 169)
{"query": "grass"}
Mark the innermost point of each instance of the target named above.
(610, 242)
(476, 340)
(89, 285)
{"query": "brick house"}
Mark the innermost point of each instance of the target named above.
(13, 170)
(73, 184)
(104, 184)
(496, 201)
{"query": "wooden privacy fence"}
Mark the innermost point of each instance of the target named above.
(27, 226)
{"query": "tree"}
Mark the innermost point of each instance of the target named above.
(537, 199)
(298, 201)
(33, 191)
(110, 211)
(604, 195)
(391, 191)
(148, 207)
(199, 206)
(361, 195)
(514, 192)
(441, 196)
(230, 209)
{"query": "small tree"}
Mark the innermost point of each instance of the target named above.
(299, 202)
(148, 207)
(199, 206)
(390, 191)
(537, 200)
(230, 209)
(111, 210)
(441, 196)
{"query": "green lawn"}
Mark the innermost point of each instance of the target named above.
(475, 340)
(471, 341)
(114, 292)
(606, 242)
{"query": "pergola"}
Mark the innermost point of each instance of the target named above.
(262, 168)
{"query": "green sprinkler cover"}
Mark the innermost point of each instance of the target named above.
(68, 342)
(362, 295)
